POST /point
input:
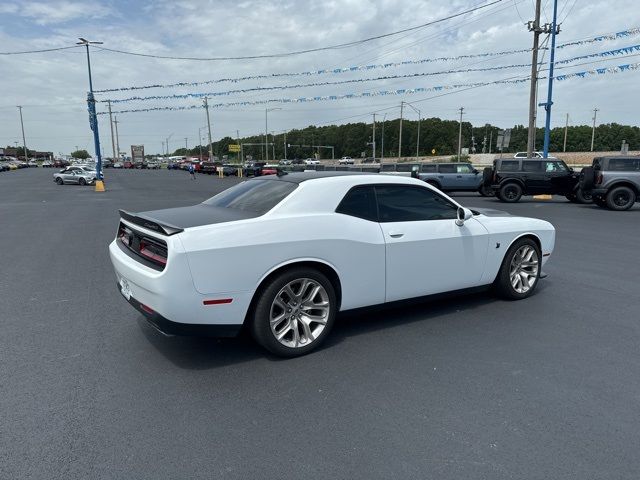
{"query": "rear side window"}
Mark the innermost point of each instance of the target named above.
(447, 169)
(406, 203)
(624, 164)
(428, 168)
(359, 202)
(388, 167)
(510, 165)
(463, 168)
(404, 167)
(531, 166)
(257, 196)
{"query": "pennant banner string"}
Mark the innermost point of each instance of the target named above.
(583, 74)
(356, 68)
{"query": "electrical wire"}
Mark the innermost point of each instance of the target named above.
(40, 51)
(300, 52)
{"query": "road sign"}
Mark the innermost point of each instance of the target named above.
(433, 151)
(504, 137)
(234, 148)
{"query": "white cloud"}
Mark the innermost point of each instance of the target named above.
(62, 11)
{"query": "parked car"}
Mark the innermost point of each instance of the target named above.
(524, 155)
(229, 170)
(75, 175)
(118, 165)
(314, 244)
(128, 164)
(346, 161)
(32, 164)
(311, 161)
(454, 177)
(284, 161)
(614, 182)
(61, 163)
(153, 165)
(253, 169)
(47, 164)
(107, 163)
(511, 178)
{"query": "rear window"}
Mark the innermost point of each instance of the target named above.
(388, 167)
(531, 166)
(447, 169)
(624, 164)
(428, 168)
(257, 196)
(510, 166)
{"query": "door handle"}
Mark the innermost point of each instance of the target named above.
(396, 234)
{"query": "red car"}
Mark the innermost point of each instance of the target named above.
(128, 164)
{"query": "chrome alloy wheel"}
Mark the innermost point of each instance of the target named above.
(523, 271)
(299, 312)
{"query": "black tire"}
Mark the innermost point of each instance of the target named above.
(584, 197)
(59, 181)
(434, 184)
(503, 285)
(599, 201)
(82, 181)
(621, 198)
(486, 191)
(510, 192)
(260, 325)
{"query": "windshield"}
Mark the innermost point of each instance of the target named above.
(257, 196)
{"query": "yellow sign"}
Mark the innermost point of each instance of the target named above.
(433, 151)
(234, 148)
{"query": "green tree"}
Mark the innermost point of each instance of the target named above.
(80, 154)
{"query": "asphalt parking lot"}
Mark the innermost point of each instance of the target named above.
(464, 388)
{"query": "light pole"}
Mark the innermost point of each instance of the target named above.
(186, 146)
(116, 122)
(166, 141)
(24, 142)
(382, 139)
(200, 139)
(549, 103)
(460, 134)
(419, 117)
(93, 118)
(266, 130)
(400, 132)
(593, 129)
(374, 138)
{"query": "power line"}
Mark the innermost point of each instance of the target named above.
(311, 50)
(39, 51)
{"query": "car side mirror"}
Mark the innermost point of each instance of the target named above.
(476, 171)
(462, 215)
(571, 170)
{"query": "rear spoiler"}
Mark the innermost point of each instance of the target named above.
(150, 224)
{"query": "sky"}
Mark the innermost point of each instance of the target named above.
(52, 86)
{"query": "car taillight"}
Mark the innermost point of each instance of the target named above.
(153, 251)
(599, 178)
(124, 235)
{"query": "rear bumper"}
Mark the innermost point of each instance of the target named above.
(168, 327)
(598, 192)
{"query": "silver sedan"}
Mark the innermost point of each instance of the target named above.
(75, 175)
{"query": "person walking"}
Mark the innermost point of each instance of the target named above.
(192, 171)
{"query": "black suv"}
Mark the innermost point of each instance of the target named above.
(614, 182)
(513, 177)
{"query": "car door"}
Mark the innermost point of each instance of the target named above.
(466, 179)
(426, 252)
(558, 176)
(446, 176)
(535, 178)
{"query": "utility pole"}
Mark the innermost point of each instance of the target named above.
(566, 127)
(547, 106)
(460, 134)
(285, 145)
(593, 129)
(238, 143)
(400, 132)
(374, 138)
(266, 128)
(24, 142)
(113, 140)
(206, 106)
(490, 139)
(93, 118)
(382, 139)
(186, 146)
(535, 28)
(116, 122)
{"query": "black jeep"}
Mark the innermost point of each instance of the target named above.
(511, 178)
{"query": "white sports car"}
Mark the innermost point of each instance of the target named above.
(283, 254)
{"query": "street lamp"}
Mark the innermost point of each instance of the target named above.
(266, 130)
(93, 119)
(382, 139)
(419, 117)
